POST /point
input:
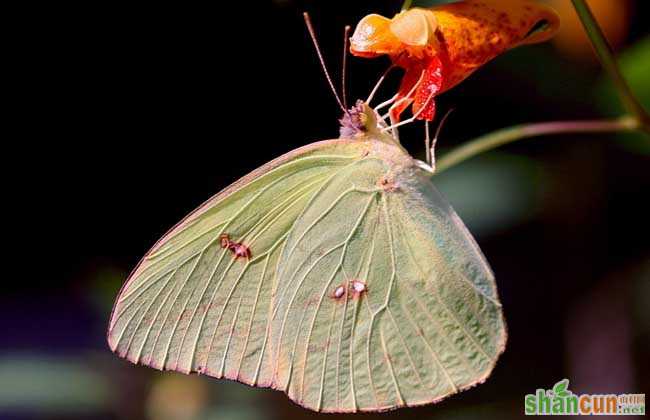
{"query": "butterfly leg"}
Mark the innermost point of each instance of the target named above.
(408, 88)
(431, 145)
(428, 85)
(386, 103)
(403, 98)
(428, 149)
(415, 116)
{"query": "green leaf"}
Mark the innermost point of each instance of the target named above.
(425, 324)
(560, 388)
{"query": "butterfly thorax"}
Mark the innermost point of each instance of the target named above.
(362, 124)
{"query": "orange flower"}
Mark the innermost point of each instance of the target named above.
(441, 46)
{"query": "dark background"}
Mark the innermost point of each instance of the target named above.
(134, 115)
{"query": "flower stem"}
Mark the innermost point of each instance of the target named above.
(406, 5)
(519, 132)
(606, 56)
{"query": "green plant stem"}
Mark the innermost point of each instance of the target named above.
(606, 56)
(406, 5)
(519, 132)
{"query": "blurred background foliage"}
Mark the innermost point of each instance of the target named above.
(157, 108)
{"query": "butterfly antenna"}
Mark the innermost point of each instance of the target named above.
(346, 45)
(312, 34)
(378, 84)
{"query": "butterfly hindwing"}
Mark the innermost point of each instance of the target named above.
(428, 323)
(425, 323)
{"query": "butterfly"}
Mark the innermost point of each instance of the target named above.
(441, 46)
(336, 273)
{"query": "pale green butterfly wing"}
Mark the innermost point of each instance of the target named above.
(189, 305)
(428, 325)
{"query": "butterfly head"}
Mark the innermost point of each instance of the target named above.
(362, 121)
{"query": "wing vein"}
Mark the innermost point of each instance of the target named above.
(327, 347)
(178, 248)
(389, 363)
(448, 310)
(408, 352)
(413, 296)
(259, 223)
(284, 320)
(250, 322)
(232, 330)
(144, 314)
(370, 257)
(173, 332)
(345, 306)
(324, 212)
(162, 326)
(434, 354)
(155, 317)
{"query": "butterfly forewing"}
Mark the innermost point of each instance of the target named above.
(190, 305)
